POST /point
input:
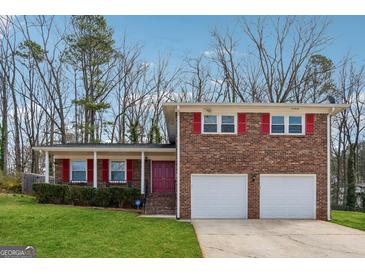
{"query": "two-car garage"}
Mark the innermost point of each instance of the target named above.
(282, 196)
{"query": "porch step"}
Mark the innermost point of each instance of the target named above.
(160, 203)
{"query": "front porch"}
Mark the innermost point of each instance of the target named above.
(148, 167)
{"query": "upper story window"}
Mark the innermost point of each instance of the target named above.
(228, 125)
(78, 171)
(287, 124)
(277, 124)
(225, 123)
(210, 123)
(117, 171)
(295, 124)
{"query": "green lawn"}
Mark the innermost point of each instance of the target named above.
(349, 218)
(64, 231)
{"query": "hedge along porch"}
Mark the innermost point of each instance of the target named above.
(111, 164)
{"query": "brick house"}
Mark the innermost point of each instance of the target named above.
(244, 160)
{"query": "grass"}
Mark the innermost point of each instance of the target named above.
(349, 218)
(64, 231)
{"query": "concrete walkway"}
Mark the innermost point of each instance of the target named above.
(278, 238)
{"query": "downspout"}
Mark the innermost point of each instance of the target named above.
(329, 164)
(178, 163)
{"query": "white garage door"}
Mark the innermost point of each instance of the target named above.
(288, 196)
(219, 196)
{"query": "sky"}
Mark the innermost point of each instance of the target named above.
(189, 36)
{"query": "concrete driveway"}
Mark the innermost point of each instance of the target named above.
(278, 238)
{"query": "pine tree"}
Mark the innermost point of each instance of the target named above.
(90, 50)
(155, 135)
(134, 132)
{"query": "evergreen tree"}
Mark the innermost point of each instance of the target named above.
(154, 136)
(319, 79)
(134, 132)
(91, 51)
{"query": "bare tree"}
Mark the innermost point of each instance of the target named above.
(8, 64)
(283, 47)
(46, 59)
(230, 65)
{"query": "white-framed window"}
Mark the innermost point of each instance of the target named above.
(277, 124)
(78, 171)
(228, 124)
(219, 123)
(117, 171)
(295, 124)
(287, 124)
(210, 124)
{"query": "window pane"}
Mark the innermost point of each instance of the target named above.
(210, 119)
(210, 128)
(117, 175)
(295, 129)
(295, 120)
(79, 165)
(227, 119)
(78, 176)
(117, 166)
(227, 128)
(277, 128)
(277, 120)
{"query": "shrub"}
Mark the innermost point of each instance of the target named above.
(123, 197)
(85, 196)
(102, 197)
(80, 195)
(10, 183)
(51, 194)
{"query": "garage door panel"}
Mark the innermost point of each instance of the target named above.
(287, 197)
(218, 196)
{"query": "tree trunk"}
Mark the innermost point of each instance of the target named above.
(4, 129)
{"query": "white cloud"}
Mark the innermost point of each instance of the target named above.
(209, 53)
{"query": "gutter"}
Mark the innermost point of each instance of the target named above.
(102, 149)
(329, 163)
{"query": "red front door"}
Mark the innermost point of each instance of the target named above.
(163, 176)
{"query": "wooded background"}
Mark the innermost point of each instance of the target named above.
(73, 82)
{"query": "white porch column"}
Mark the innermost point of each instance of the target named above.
(95, 179)
(46, 167)
(142, 172)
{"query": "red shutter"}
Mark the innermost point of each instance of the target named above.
(66, 170)
(129, 170)
(265, 123)
(197, 122)
(309, 123)
(90, 170)
(241, 117)
(105, 170)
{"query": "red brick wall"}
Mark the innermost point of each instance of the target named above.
(253, 153)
